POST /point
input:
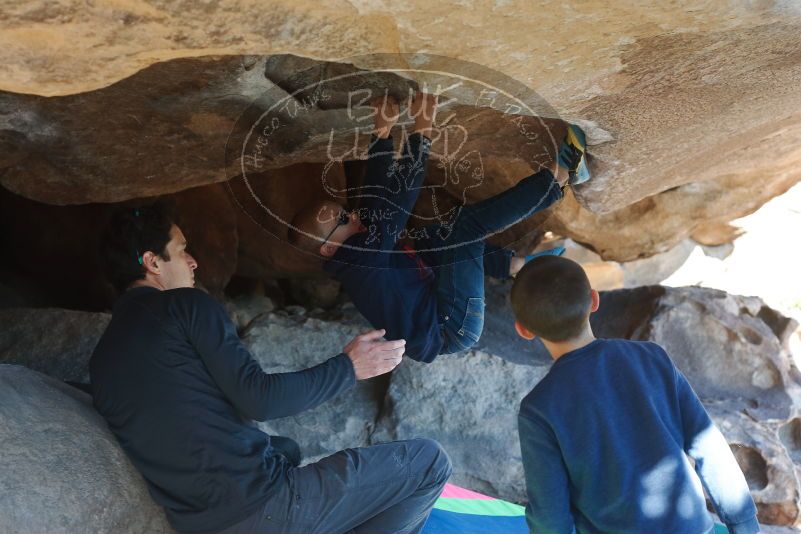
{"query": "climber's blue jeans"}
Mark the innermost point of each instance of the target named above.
(389, 487)
(460, 257)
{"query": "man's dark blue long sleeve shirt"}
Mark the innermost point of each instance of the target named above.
(605, 438)
(177, 388)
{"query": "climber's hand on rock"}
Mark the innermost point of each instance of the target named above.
(371, 356)
(423, 110)
(386, 110)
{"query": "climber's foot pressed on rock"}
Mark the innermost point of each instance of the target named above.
(556, 251)
(572, 155)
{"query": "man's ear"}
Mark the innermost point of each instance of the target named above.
(596, 301)
(524, 332)
(328, 250)
(149, 262)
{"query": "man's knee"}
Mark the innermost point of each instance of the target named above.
(437, 463)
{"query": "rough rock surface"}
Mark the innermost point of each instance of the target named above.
(608, 275)
(283, 343)
(53, 341)
(739, 356)
(659, 222)
(469, 404)
(691, 108)
(766, 464)
(245, 308)
(61, 467)
(676, 86)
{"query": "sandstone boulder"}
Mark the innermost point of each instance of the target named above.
(683, 93)
(740, 356)
(664, 170)
(53, 341)
(766, 464)
(245, 308)
(467, 402)
(283, 343)
(61, 470)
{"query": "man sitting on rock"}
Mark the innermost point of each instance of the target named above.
(606, 435)
(178, 390)
(437, 311)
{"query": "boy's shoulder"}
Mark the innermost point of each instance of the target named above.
(618, 347)
(563, 375)
(632, 345)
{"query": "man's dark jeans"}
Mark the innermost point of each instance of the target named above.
(385, 488)
(459, 258)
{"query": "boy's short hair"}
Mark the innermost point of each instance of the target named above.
(551, 297)
(130, 232)
(307, 221)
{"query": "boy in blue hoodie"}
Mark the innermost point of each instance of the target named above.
(433, 297)
(606, 435)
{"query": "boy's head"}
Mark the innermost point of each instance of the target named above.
(145, 244)
(322, 227)
(552, 299)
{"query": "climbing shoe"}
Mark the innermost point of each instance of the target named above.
(572, 155)
(557, 251)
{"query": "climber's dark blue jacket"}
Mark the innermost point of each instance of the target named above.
(388, 285)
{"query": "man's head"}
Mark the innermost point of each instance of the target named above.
(143, 246)
(322, 227)
(552, 298)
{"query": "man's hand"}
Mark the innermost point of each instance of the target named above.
(386, 114)
(371, 356)
(423, 110)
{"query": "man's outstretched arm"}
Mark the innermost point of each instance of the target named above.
(261, 396)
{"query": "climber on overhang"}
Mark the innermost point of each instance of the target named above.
(178, 389)
(439, 310)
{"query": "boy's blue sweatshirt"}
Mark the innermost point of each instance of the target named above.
(605, 438)
(389, 286)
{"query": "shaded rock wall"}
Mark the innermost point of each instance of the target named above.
(52, 252)
(346, 421)
(53, 341)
